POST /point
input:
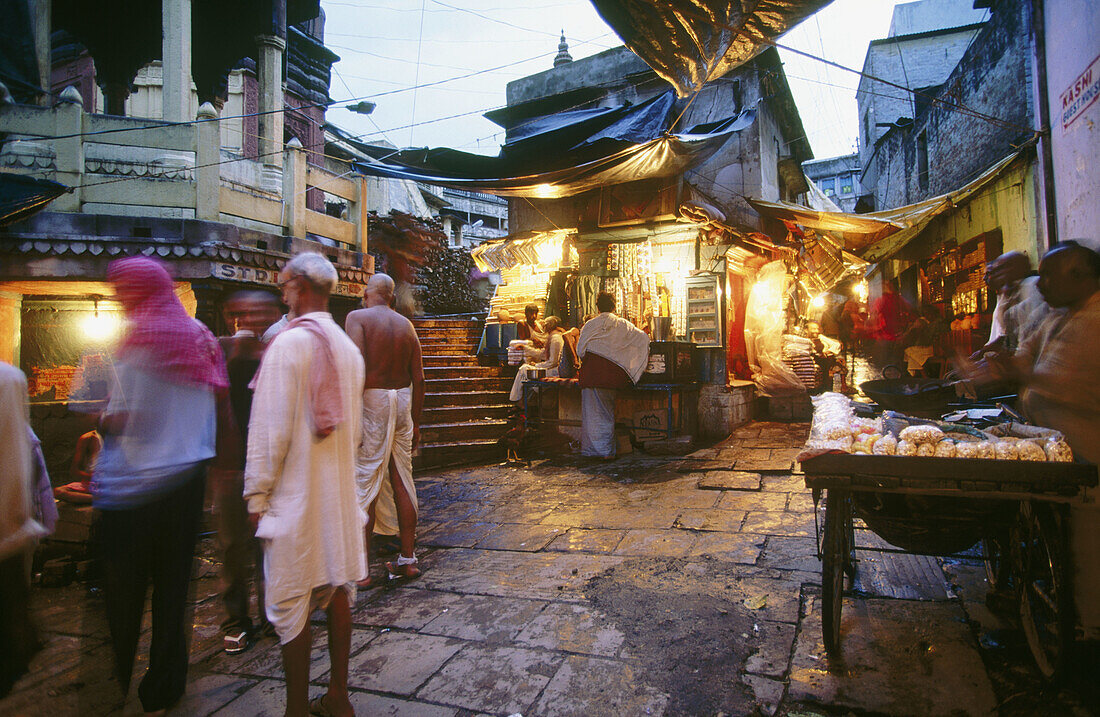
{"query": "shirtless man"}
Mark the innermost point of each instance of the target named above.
(393, 396)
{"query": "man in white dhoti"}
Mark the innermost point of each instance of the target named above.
(613, 355)
(393, 396)
(300, 481)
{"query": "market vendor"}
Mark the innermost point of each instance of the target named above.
(613, 355)
(1019, 304)
(825, 353)
(555, 346)
(532, 329)
(1057, 365)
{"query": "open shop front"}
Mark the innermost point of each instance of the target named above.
(691, 288)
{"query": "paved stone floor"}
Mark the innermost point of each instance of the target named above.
(642, 586)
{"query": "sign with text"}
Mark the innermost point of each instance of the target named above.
(270, 277)
(1080, 95)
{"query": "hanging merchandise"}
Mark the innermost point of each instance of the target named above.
(765, 324)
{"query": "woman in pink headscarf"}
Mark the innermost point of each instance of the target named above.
(159, 432)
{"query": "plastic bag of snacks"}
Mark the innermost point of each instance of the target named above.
(1058, 450)
(945, 449)
(1030, 451)
(921, 434)
(885, 446)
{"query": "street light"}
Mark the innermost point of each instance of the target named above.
(361, 108)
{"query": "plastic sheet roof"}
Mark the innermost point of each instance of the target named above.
(690, 42)
(22, 196)
(563, 154)
(878, 236)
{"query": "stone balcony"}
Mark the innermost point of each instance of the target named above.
(125, 166)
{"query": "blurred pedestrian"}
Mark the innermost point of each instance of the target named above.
(300, 481)
(393, 396)
(890, 317)
(1019, 307)
(249, 314)
(159, 432)
(18, 529)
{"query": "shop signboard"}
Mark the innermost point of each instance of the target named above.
(270, 277)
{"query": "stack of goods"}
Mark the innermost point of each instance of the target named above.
(516, 351)
(798, 355)
(835, 428)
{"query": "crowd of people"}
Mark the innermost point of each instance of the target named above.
(305, 432)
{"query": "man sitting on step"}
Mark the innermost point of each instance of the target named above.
(393, 396)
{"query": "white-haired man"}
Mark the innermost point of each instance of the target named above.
(393, 396)
(300, 481)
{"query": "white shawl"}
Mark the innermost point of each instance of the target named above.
(618, 341)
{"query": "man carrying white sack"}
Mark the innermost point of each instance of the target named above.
(300, 481)
(393, 395)
(613, 354)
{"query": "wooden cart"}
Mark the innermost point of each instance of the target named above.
(939, 506)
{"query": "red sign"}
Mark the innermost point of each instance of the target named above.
(1080, 95)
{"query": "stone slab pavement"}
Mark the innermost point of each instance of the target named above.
(643, 586)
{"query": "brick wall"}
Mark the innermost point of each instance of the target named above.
(993, 78)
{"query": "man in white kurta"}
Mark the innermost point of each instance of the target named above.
(300, 481)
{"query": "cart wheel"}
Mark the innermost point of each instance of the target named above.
(835, 561)
(1042, 587)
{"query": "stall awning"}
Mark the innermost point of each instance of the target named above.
(569, 152)
(22, 196)
(880, 235)
(690, 42)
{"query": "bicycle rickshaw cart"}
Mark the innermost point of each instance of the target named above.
(942, 506)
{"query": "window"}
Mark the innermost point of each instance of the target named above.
(922, 160)
(846, 184)
(867, 128)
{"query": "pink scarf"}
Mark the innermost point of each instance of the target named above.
(325, 402)
(159, 329)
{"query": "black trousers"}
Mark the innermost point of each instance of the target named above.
(153, 543)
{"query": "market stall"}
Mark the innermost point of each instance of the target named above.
(938, 488)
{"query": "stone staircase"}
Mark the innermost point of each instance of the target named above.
(465, 405)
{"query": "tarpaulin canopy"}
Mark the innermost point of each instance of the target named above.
(569, 152)
(690, 42)
(880, 235)
(21, 196)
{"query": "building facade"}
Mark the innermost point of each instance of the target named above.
(837, 178)
(224, 191)
(926, 41)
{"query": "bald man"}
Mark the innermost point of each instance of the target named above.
(1058, 365)
(393, 397)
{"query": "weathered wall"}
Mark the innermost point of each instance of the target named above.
(914, 62)
(992, 78)
(1073, 76)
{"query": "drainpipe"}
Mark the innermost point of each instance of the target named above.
(1046, 160)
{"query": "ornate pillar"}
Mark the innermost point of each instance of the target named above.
(176, 59)
(41, 11)
(270, 67)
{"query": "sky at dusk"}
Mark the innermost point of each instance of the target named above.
(461, 55)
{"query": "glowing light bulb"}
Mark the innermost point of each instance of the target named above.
(818, 301)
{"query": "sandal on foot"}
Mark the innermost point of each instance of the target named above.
(404, 569)
(366, 583)
(317, 706)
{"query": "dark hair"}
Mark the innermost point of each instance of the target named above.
(531, 309)
(605, 302)
(1079, 255)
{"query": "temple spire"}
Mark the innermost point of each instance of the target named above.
(563, 57)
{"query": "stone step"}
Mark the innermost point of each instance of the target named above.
(449, 333)
(464, 385)
(465, 431)
(448, 399)
(450, 360)
(458, 372)
(431, 323)
(437, 455)
(449, 346)
(459, 414)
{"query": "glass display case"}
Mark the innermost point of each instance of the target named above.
(703, 314)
